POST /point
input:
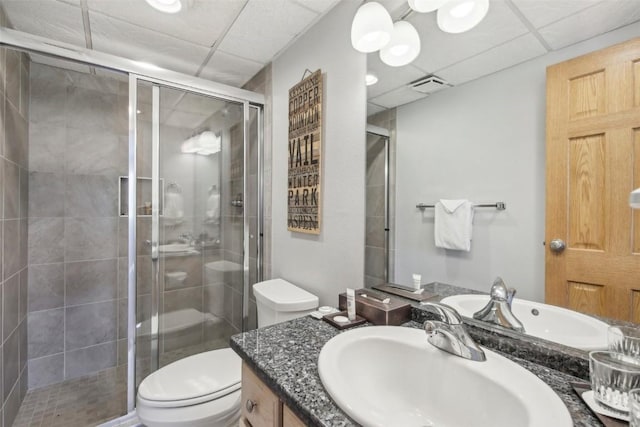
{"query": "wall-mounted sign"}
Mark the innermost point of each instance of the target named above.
(305, 155)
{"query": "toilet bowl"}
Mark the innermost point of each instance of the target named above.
(204, 389)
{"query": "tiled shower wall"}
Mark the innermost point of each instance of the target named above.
(78, 128)
(374, 245)
(14, 156)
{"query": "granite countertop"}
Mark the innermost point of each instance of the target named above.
(285, 357)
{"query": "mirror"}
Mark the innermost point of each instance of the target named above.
(484, 141)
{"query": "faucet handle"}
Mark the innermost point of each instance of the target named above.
(499, 290)
(446, 313)
(511, 293)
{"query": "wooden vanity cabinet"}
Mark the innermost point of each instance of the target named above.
(261, 407)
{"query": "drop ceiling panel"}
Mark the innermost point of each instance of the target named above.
(591, 22)
(319, 6)
(496, 59)
(440, 49)
(540, 13)
(230, 69)
(396, 97)
(395, 7)
(184, 120)
(55, 20)
(140, 44)
(265, 27)
(374, 109)
(389, 77)
(201, 104)
(200, 21)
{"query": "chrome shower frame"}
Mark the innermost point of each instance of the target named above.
(139, 71)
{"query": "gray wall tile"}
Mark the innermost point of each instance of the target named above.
(46, 370)
(10, 302)
(11, 190)
(47, 147)
(90, 281)
(24, 243)
(90, 324)
(46, 195)
(11, 362)
(92, 359)
(11, 247)
(12, 77)
(88, 151)
(24, 343)
(46, 240)
(12, 406)
(46, 333)
(24, 290)
(90, 109)
(24, 193)
(16, 136)
(90, 238)
(91, 196)
(46, 286)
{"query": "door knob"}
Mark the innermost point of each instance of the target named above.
(557, 245)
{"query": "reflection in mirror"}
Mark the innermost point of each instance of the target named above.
(484, 141)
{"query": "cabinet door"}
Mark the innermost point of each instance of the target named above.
(289, 419)
(260, 406)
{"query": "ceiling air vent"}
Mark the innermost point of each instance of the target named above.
(429, 84)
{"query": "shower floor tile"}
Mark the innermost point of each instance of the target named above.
(90, 400)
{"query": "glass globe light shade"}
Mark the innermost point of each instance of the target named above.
(404, 46)
(166, 6)
(371, 27)
(458, 16)
(371, 79)
(424, 6)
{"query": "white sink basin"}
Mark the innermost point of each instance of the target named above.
(552, 323)
(391, 376)
(175, 247)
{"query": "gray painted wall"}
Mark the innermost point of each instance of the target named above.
(326, 264)
(484, 141)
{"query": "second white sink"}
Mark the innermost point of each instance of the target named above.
(391, 376)
(544, 321)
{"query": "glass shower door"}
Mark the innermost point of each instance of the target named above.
(190, 207)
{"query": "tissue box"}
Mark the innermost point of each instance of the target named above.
(394, 313)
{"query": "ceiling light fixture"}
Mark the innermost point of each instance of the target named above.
(458, 16)
(424, 6)
(371, 79)
(404, 46)
(371, 27)
(166, 6)
(205, 143)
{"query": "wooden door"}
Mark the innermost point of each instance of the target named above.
(593, 162)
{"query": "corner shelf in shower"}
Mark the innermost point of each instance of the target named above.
(143, 195)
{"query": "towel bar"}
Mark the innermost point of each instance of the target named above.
(498, 205)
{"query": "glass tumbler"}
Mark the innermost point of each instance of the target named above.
(613, 376)
(624, 339)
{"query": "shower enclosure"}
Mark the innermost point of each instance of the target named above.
(154, 188)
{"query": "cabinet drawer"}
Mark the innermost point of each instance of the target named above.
(260, 406)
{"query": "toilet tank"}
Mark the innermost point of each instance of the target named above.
(278, 301)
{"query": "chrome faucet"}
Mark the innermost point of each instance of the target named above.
(448, 333)
(498, 309)
(187, 238)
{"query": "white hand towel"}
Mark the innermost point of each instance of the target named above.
(174, 205)
(453, 224)
(213, 206)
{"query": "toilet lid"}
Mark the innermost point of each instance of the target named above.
(213, 374)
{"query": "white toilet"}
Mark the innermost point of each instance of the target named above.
(204, 389)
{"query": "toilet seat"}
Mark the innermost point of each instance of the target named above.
(193, 380)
